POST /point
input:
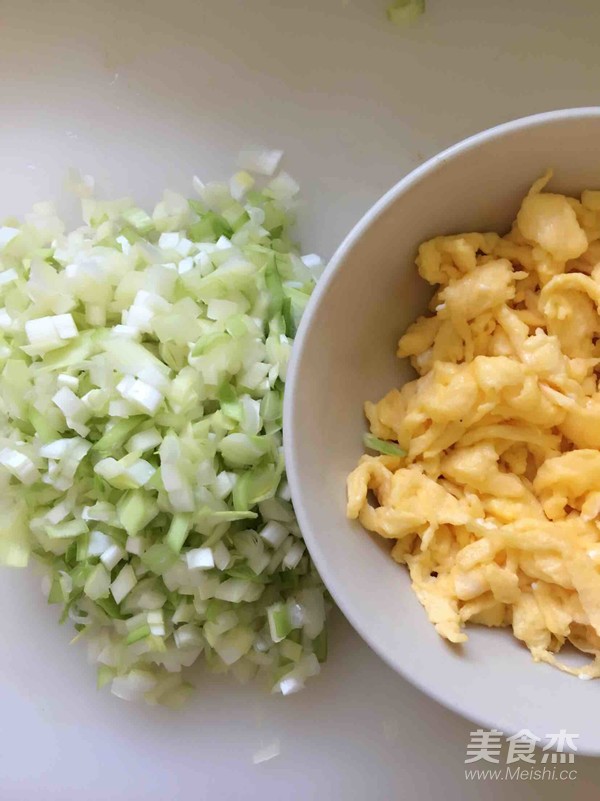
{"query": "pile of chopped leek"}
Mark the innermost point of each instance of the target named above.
(142, 366)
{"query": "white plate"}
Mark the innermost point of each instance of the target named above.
(345, 353)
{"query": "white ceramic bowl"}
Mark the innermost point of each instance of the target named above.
(345, 354)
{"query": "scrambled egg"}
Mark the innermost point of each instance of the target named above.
(495, 508)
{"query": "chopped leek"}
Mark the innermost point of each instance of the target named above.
(402, 12)
(383, 446)
(142, 367)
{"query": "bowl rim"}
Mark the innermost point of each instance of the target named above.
(289, 434)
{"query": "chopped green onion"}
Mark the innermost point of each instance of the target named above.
(97, 584)
(105, 675)
(138, 219)
(159, 558)
(135, 511)
(320, 646)
(141, 395)
(280, 624)
(138, 634)
(72, 528)
(402, 12)
(117, 435)
(383, 446)
(178, 531)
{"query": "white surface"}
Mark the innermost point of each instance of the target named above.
(372, 281)
(142, 94)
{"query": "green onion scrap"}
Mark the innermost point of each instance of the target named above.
(383, 446)
(403, 12)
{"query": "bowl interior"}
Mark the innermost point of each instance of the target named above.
(345, 354)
